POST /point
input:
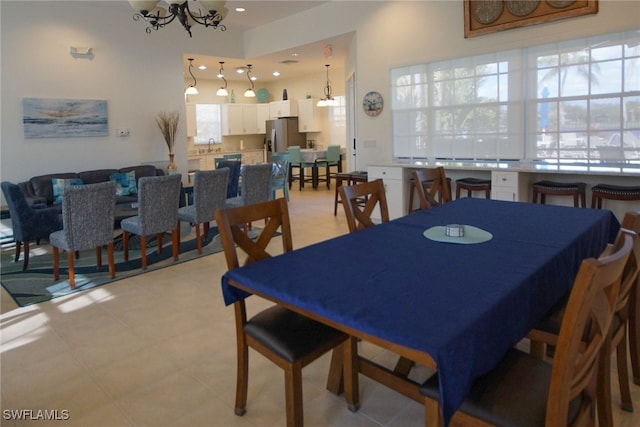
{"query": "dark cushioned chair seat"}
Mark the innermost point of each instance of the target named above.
(289, 334)
(515, 394)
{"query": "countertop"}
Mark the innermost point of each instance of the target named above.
(618, 169)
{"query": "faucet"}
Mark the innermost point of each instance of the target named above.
(211, 141)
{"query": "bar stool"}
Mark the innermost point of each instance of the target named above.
(473, 184)
(553, 188)
(613, 192)
(350, 178)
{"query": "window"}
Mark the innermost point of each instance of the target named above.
(572, 102)
(208, 124)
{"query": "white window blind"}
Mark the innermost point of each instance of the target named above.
(577, 101)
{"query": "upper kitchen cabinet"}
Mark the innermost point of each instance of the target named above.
(263, 114)
(288, 108)
(192, 129)
(239, 119)
(309, 116)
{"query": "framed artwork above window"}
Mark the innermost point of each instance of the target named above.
(489, 16)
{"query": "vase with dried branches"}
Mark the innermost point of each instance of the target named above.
(168, 123)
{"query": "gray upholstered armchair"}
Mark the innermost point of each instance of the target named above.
(28, 222)
(87, 215)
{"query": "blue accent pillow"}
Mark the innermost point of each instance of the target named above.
(59, 184)
(126, 183)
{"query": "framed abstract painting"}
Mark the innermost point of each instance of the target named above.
(64, 118)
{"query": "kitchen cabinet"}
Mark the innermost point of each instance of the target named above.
(250, 157)
(239, 119)
(309, 116)
(192, 129)
(509, 186)
(395, 186)
(263, 114)
(288, 108)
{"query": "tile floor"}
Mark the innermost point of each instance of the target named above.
(159, 350)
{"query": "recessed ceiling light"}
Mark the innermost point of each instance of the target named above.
(295, 54)
(276, 73)
(202, 67)
(240, 70)
(240, 9)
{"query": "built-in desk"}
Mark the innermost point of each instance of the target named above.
(510, 181)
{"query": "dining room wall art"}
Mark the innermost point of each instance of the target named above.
(488, 16)
(64, 118)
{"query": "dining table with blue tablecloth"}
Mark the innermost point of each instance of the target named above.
(456, 305)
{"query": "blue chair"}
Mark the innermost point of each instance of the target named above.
(295, 162)
(29, 223)
(280, 174)
(234, 175)
(87, 215)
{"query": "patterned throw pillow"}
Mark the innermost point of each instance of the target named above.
(126, 183)
(59, 184)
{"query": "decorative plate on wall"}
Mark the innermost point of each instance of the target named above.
(372, 104)
(263, 95)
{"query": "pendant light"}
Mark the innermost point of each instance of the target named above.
(223, 90)
(328, 100)
(191, 90)
(249, 93)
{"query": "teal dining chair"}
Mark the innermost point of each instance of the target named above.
(280, 174)
(235, 156)
(295, 162)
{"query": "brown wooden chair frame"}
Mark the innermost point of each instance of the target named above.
(577, 364)
(623, 330)
(231, 226)
(434, 190)
(359, 217)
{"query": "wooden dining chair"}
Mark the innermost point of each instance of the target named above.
(523, 390)
(547, 332)
(359, 216)
(288, 339)
(434, 188)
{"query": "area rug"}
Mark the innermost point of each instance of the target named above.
(37, 284)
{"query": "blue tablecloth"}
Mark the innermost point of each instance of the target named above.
(464, 305)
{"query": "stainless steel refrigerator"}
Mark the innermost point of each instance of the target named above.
(283, 133)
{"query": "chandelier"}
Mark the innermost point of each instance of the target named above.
(158, 17)
(328, 100)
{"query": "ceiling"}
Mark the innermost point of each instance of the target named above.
(308, 59)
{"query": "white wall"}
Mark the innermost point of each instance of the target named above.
(140, 74)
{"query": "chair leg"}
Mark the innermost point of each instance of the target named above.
(623, 373)
(125, 246)
(206, 226)
(432, 414)
(242, 378)
(56, 263)
(605, 415)
(198, 241)
(111, 260)
(98, 257)
(175, 243)
(159, 240)
(72, 276)
(25, 263)
(351, 370)
(143, 251)
(293, 395)
(634, 333)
